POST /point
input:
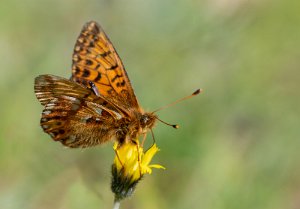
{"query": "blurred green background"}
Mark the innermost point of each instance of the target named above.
(238, 145)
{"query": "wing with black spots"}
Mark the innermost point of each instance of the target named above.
(96, 60)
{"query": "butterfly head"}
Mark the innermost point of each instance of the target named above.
(147, 120)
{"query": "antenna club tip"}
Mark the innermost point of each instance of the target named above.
(175, 126)
(198, 91)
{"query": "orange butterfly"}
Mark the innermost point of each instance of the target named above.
(98, 103)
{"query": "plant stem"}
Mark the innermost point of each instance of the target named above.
(116, 205)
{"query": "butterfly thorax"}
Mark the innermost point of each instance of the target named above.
(132, 127)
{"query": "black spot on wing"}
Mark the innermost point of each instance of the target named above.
(113, 67)
(121, 84)
(77, 70)
(98, 77)
(86, 73)
(116, 77)
(88, 62)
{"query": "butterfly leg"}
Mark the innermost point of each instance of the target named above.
(117, 154)
(152, 136)
(139, 156)
(144, 139)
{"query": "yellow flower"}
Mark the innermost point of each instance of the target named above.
(130, 164)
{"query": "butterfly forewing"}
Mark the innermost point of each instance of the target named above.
(96, 60)
(73, 115)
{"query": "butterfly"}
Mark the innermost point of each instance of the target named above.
(97, 104)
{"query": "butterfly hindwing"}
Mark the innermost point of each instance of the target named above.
(73, 115)
(75, 128)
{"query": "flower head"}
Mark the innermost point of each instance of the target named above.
(130, 165)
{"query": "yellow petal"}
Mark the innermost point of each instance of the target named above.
(149, 154)
(157, 166)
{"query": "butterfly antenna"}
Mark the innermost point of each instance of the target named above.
(172, 125)
(198, 91)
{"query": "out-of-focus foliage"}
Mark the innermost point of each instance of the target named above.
(238, 145)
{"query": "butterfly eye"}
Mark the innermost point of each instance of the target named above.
(144, 120)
